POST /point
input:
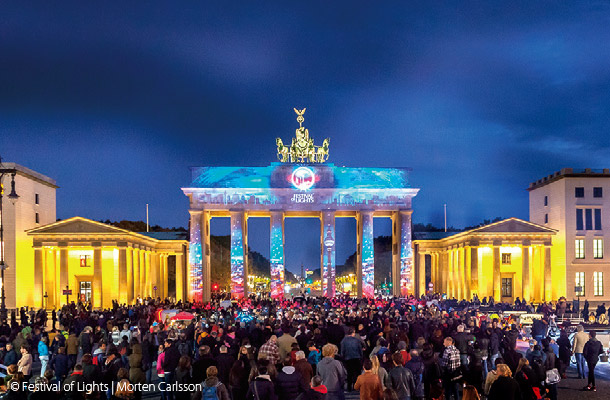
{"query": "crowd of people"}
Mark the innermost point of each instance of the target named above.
(302, 348)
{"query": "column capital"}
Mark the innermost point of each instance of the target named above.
(526, 243)
(195, 212)
(497, 242)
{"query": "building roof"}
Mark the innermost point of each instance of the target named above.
(80, 225)
(165, 235)
(570, 173)
(24, 171)
(506, 226)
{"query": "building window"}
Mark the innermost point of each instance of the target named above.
(37, 217)
(579, 246)
(598, 283)
(546, 218)
(597, 192)
(598, 248)
(546, 200)
(507, 287)
(37, 198)
(579, 192)
(598, 219)
(579, 284)
(506, 258)
(588, 219)
(84, 260)
(579, 219)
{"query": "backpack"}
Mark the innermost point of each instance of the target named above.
(210, 393)
(314, 357)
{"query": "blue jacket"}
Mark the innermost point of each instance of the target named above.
(351, 347)
(10, 357)
(43, 349)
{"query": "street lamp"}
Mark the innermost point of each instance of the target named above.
(13, 197)
(329, 242)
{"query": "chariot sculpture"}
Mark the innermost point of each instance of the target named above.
(302, 148)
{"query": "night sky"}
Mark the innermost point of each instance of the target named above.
(480, 99)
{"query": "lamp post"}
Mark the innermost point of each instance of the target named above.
(13, 198)
(329, 242)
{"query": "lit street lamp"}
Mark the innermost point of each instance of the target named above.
(13, 198)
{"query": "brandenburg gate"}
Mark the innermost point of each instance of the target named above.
(301, 184)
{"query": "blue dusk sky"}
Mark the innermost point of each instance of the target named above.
(116, 100)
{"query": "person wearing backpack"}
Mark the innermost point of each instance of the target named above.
(212, 388)
(416, 366)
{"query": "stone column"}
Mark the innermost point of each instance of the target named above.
(136, 273)
(38, 275)
(276, 243)
(50, 284)
(206, 260)
(396, 225)
(165, 276)
(123, 291)
(180, 277)
(63, 268)
(525, 271)
(96, 285)
(497, 277)
(366, 265)
(327, 244)
(460, 272)
(548, 294)
(154, 274)
(474, 268)
(467, 272)
(421, 274)
(444, 275)
(130, 274)
(196, 256)
(143, 267)
(406, 254)
(239, 255)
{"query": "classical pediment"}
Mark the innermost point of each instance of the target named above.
(76, 225)
(513, 225)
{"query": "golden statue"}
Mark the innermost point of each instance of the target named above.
(302, 148)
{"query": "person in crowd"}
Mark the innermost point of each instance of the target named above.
(505, 387)
(289, 383)
(591, 352)
(24, 365)
(451, 363)
(261, 387)
(378, 370)
(224, 363)
(351, 352)
(317, 391)
(578, 346)
(332, 372)
(43, 354)
(416, 366)
(401, 379)
(303, 367)
(470, 393)
(368, 384)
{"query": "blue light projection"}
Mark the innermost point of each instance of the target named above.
(406, 256)
(195, 257)
(277, 254)
(328, 254)
(368, 256)
(237, 256)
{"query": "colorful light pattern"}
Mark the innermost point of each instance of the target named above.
(277, 254)
(328, 254)
(237, 255)
(406, 255)
(195, 259)
(368, 256)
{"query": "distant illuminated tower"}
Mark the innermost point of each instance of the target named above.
(329, 242)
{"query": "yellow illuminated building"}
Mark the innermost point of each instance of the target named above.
(505, 260)
(100, 262)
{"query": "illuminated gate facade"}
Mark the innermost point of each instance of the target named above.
(301, 185)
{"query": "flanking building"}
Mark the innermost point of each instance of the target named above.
(100, 263)
(576, 203)
(505, 260)
(34, 207)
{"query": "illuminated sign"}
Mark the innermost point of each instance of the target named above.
(303, 178)
(302, 198)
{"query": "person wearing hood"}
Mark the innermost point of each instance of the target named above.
(289, 382)
(261, 387)
(332, 372)
(317, 391)
(136, 374)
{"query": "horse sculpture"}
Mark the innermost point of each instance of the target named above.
(282, 151)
